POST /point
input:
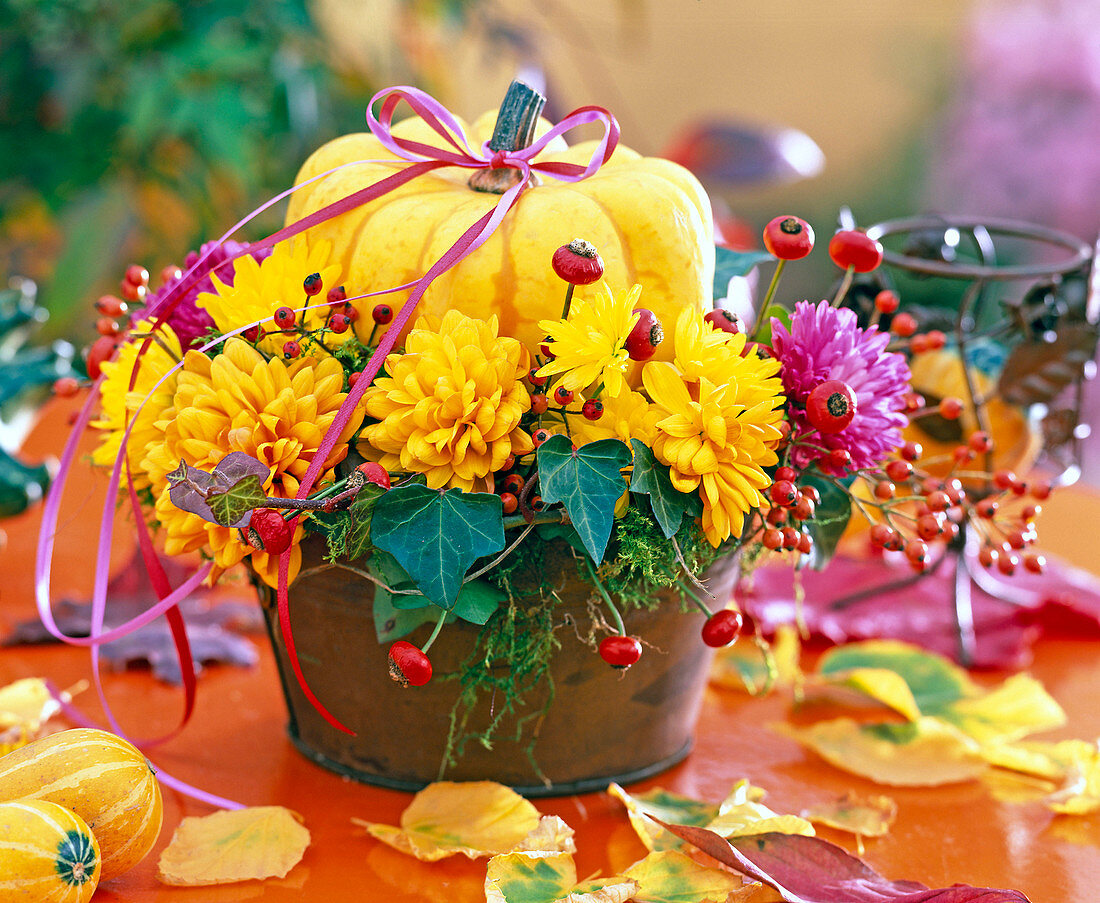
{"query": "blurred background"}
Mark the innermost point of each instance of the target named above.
(133, 130)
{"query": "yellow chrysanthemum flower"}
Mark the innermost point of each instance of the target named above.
(260, 288)
(119, 403)
(450, 406)
(625, 416)
(275, 411)
(590, 346)
(715, 443)
(703, 352)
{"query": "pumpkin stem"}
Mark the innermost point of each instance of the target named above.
(515, 130)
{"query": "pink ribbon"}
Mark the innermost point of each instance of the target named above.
(422, 158)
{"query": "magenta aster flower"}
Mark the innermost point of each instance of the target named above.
(189, 321)
(826, 343)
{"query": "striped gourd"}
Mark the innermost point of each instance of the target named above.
(102, 778)
(48, 854)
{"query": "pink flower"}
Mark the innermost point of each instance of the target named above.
(190, 322)
(826, 343)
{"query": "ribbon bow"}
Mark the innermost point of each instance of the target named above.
(423, 158)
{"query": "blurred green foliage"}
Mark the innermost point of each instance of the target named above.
(133, 130)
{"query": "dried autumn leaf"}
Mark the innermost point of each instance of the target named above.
(25, 706)
(924, 753)
(551, 835)
(812, 870)
(665, 805)
(234, 845)
(862, 686)
(669, 876)
(1080, 794)
(869, 816)
(1018, 707)
(743, 813)
(542, 877)
(476, 818)
(740, 813)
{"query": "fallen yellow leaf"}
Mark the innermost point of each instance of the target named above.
(476, 818)
(669, 876)
(924, 753)
(869, 816)
(234, 845)
(544, 877)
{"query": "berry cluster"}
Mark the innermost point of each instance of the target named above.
(785, 526)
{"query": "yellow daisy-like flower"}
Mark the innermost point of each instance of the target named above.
(590, 346)
(715, 443)
(450, 406)
(119, 403)
(238, 401)
(260, 288)
(703, 352)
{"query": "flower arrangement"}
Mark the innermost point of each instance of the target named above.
(644, 443)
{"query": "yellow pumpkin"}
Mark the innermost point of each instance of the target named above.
(48, 854)
(939, 374)
(102, 778)
(649, 218)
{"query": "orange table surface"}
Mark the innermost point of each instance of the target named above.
(236, 746)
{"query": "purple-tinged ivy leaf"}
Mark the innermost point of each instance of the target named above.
(812, 870)
(235, 488)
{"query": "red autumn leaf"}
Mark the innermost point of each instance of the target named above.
(812, 870)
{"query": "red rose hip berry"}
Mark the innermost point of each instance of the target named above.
(269, 531)
(725, 320)
(620, 651)
(788, 238)
(592, 409)
(578, 263)
(642, 341)
(855, 249)
(831, 406)
(409, 666)
(373, 472)
(722, 628)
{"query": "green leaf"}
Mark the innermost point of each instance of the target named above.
(830, 519)
(436, 535)
(357, 538)
(477, 601)
(391, 622)
(231, 507)
(588, 482)
(728, 264)
(764, 334)
(669, 505)
(936, 683)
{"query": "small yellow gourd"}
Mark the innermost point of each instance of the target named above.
(99, 776)
(649, 218)
(48, 854)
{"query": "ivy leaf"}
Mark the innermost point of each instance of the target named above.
(764, 334)
(233, 508)
(477, 600)
(436, 535)
(728, 264)
(669, 505)
(830, 519)
(811, 870)
(392, 622)
(197, 491)
(588, 482)
(357, 538)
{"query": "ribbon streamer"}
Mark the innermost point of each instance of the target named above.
(422, 159)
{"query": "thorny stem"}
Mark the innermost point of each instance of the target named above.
(508, 551)
(686, 590)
